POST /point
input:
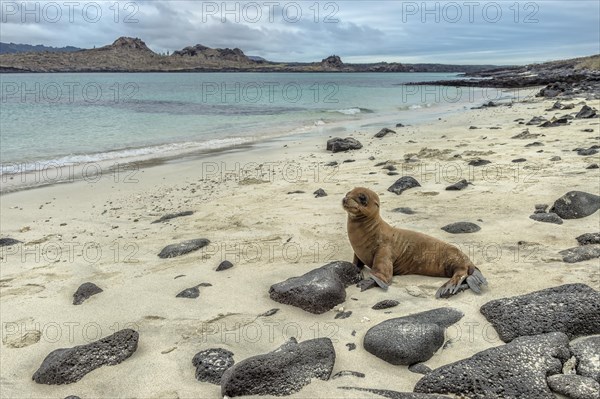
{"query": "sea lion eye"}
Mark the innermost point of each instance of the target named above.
(362, 198)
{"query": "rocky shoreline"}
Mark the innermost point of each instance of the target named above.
(567, 79)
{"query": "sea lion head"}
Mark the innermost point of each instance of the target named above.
(361, 203)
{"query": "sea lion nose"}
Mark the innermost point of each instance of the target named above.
(344, 200)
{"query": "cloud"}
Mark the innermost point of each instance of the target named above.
(487, 32)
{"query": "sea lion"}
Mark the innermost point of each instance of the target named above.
(391, 251)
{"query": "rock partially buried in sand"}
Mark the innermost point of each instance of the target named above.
(588, 238)
(282, 372)
(211, 364)
(514, 370)
(402, 184)
(586, 112)
(404, 210)
(338, 144)
(410, 339)
(347, 373)
(576, 204)
(385, 304)
(173, 216)
(224, 265)
(318, 290)
(581, 253)
(85, 291)
(320, 193)
(65, 366)
(574, 386)
(190, 293)
(7, 241)
(386, 393)
(419, 368)
(460, 185)
(461, 228)
(546, 218)
(573, 309)
(384, 132)
(479, 162)
(182, 248)
(587, 352)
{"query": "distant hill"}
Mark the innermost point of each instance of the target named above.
(13, 48)
(128, 54)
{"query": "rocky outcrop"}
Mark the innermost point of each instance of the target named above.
(65, 366)
(318, 290)
(282, 372)
(514, 370)
(572, 309)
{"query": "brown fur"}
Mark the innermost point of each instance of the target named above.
(391, 251)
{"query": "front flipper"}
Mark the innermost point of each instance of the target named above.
(366, 284)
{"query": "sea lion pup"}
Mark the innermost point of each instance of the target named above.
(390, 251)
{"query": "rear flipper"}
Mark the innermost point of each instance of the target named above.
(476, 280)
(457, 284)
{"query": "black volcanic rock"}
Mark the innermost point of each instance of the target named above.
(574, 386)
(338, 144)
(588, 238)
(170, 216)
(85, 291)
(189, 293)
(320, 193)
(224, 265)
(573, 309)
(182, 248)
(546, 218)
(459, 185)
(384, 132)
(536, 120)
(576, 204)
(586, 112)
(5, 242)
(514, 370)
(419, 368)
(318, 290)
(281, 372)
(65, 366)
(479, 162)
(587, 352)
(586, 152)
(461, 228)
(410, 339)
(386, 393)
(402, 184)
(211, 364)
(581, 253)
(385, 304)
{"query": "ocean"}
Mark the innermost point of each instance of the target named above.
(55, 120)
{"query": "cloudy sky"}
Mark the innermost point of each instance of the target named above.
(469, 32)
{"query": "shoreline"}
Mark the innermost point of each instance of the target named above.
(45, 174)
(257, 209)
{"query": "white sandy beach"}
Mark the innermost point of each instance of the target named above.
(101, 232)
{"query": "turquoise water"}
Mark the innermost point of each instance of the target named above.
(67, 118)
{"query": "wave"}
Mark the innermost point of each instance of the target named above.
(353, 111)
(128, 154)
(415, 106)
